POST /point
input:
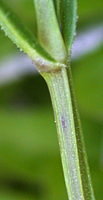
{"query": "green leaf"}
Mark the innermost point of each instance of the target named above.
(24, 39)
(49, 33)
(68, 21)
(57, 4)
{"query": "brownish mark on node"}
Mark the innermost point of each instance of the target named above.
(44, 68)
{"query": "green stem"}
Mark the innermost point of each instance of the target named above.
(73, 156)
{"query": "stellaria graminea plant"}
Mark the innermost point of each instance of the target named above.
(51, 53)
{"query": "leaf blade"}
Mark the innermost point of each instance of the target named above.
(22, 37)
(68, 21)
(57, 4)
(49, 33)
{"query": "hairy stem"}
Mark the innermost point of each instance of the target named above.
(73, 156)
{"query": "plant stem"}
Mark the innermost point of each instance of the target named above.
(73, 156)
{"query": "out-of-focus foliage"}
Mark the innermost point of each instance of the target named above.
(88, 78)
(30, 166)
(30, 162)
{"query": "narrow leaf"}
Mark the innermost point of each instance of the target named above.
(22, 37)
(49, 34)
(57, 4)
(68, 21)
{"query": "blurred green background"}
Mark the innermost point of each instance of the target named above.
(30, 165)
